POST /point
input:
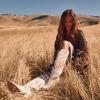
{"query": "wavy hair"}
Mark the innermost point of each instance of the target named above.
(62, 29)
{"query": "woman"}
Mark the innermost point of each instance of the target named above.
(70, 46)
(68, 31)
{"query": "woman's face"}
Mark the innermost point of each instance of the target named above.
(69, 22)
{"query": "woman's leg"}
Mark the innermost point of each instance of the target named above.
(40, 81)
(26, 89)
(59, 63)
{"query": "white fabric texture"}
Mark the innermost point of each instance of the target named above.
(58, 68)
(45, 81)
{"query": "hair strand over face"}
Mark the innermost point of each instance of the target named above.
(62, 30)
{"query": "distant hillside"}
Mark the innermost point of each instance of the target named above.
(42, 20)
(89, 20)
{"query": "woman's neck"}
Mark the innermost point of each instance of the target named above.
(68, 32)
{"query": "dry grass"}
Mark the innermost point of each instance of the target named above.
(26, 52)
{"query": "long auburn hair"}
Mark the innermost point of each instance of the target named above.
(62, 29)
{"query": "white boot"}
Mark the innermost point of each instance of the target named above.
(17, 88)
(35, 84)
(38, 82)
(58, 68)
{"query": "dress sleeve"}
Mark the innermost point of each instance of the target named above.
(82, 42)
(81, 54)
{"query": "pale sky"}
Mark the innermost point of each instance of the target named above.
(87, 7)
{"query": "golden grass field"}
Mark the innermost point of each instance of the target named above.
(26, 51)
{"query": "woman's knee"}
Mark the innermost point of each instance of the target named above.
(67, 44)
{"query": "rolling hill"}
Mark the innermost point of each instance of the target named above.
(42, 20)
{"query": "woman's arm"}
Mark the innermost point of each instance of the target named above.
(55, 54)
(56, 48)
(82, 42)
(82, 51)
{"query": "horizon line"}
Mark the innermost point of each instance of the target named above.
(79, 14)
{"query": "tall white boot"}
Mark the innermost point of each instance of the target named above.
(58, 68)
(26, 89)
(18, 88)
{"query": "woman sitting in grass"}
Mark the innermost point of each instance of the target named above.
(68, 31)
(70, 47)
